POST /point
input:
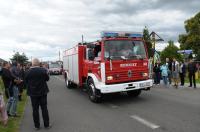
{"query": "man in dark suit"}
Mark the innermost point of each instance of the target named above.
(36, 78)
(192, 69)
(182, 71)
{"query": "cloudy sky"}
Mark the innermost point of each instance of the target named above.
(42, 28)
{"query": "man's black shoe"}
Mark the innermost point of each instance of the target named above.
(49, 127)
(189, 86)
(37, 128)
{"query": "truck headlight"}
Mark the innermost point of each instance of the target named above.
(109, 78)
(145, 74)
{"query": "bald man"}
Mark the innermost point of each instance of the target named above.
(36, 78)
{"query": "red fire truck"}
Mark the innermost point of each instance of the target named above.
(116, 63)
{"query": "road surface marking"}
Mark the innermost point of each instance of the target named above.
(60, 79)
(145, 122)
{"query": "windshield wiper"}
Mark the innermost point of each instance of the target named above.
(136, 57)
(123, 57)
(140, 57)
(133, 56)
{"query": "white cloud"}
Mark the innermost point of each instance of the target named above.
(41, 28)
(161, 46)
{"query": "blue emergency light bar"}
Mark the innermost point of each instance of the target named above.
(185, 51)
(111, 34)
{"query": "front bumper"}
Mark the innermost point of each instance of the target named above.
(122, 87)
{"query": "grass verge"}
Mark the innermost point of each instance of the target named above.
(187, 80)
(197, 80)
(14, 123)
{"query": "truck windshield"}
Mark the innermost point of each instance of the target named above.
(124, 49)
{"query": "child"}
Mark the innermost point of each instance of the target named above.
(3, 113)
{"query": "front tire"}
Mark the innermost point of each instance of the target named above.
(134, 93)
(68, 83)
(94, 94)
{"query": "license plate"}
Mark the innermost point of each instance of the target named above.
(146, 84)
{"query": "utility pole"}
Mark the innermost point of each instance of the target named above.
(154, 46)
(155, 38)
(59, 55)
(82, 38)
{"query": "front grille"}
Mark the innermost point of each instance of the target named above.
(124, 76)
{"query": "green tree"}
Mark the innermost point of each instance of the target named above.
(170, 52)
(20, 58)
(191, 40)
(147, 39)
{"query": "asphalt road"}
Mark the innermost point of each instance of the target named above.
(158, 110)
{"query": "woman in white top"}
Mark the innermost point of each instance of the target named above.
(175, 72)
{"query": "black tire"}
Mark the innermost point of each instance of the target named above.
(93, 93)
(134, 93)
(68, 83)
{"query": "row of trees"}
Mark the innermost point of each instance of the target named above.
(190, 40)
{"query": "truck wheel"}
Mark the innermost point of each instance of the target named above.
(94, 95)
(134, 93)
(68, 83)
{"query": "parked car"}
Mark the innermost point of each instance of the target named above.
(55, 69)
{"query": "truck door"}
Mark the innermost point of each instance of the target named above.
(93, 59)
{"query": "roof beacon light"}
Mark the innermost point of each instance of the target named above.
(111, 34)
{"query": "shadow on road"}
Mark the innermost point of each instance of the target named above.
(123, 98)
(114, 98)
